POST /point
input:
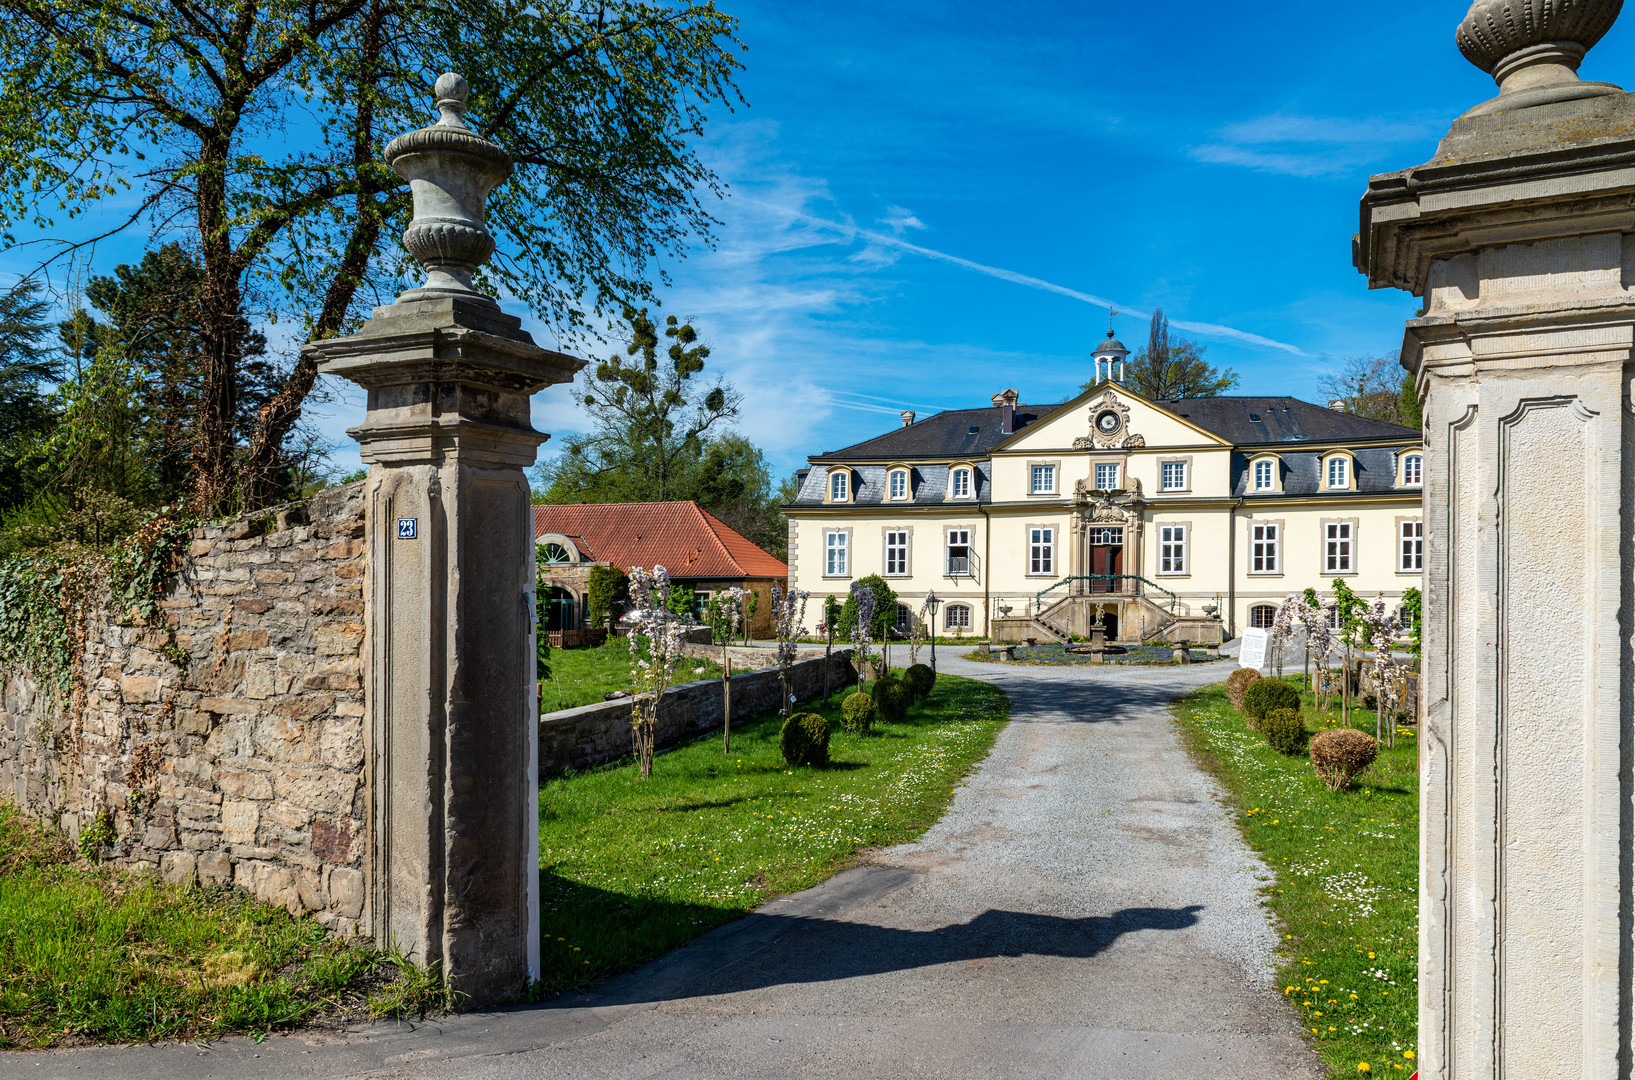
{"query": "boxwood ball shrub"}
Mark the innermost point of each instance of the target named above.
(804, 739)
(1238, 682)
(857, 712)
(892, 697)
(1340, 755)
(1268, 694)
(920, 679)
(1284, 730)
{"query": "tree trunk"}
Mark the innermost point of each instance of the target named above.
(219, 333)
(726, 700)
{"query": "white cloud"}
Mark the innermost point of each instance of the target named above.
(1310, 146)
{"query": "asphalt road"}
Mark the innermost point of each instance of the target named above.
(1086, 909)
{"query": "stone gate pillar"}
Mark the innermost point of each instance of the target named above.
(452, 777)
(1519, 236)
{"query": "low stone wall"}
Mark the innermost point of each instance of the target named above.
(593, 734)
(247, 766)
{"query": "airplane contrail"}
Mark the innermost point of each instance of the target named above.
(1206, 329)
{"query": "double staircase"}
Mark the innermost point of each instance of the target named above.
(1141, 619)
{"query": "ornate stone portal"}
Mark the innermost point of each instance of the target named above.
(1516, 236)
(453, 777)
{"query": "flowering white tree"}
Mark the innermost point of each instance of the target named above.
(860, 629)
(1288, 613)
(1380, 629)
(918, 633)
(1321, 641)
(726, 613)
(788, 619)
(664, 631)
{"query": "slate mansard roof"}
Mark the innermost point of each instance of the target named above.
(1250, 424)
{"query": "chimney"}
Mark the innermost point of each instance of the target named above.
(1005, 402)
(908, 417)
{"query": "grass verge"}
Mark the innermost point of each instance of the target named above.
(92, 954)
(633, 868)
(586, 676)
(1346, 881)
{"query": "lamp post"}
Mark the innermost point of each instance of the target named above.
(931, 605)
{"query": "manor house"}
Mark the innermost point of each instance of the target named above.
(1156, 520)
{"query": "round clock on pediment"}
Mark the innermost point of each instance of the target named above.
(1108, 422)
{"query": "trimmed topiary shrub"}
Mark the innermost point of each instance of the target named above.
(892, 697)
(1238, 682)
(1268, 694)
(804, 739)
(1338, 756)
(920, 679)
(857, 712)
(1284, 730)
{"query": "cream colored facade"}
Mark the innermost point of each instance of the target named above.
(1170, 538)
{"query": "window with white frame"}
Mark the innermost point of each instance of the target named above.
(1413, 547)
(840, 484)
(1043, 479)
(1265, 475)
(957, 617)
(959, 551)
(1338, 543)
(959, 484)
(1041, 550)
(1107, 476)
(1413, 470)
(1262, 616)
(1172, 476)
(1172, 549)
(1339, 469)
(836, 553)
(896, 552)
(897, 484)
(1265, 546)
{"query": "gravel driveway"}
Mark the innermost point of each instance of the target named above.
(1086, 909)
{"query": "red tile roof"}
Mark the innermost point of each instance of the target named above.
(686, 540)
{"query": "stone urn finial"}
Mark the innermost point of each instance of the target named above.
(1532, 48)
(450, 170)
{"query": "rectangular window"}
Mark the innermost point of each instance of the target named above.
(1173, 476)
(958, 617)
(1263, 476)
(899, 484)
(1044, 479)
(1413, 470)
(1337, 472)
(897, 552)
(1264, 547)
(959, 551)
(1413, 546)
(1337, 543)
(835, 561)
(1041, 551)
(1172, 549)
(1107, 476)
(960, 484)
(839, 485)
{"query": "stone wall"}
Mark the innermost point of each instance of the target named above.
(247, 766)
(593, 734)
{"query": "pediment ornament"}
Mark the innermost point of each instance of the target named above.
(1109, 424)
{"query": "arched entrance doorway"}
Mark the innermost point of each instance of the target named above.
(561, 610)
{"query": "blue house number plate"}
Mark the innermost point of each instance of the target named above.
(408, 528)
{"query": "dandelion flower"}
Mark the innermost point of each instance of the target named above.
(1408, 1054)
(1362, 1066)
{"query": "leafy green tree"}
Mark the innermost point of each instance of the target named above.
(1413, 612)
(259, 130)
(1373, 388)
(1408, 407)
(885, 609)
(27, 367)
(1170, 368)
(606, 587)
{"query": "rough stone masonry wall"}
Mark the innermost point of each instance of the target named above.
(247, 767)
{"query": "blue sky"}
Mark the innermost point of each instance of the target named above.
(927, 200)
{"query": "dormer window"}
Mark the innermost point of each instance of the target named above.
(1339, 472)
(1265, 475)
(840, 486)
(1413, 470)
(897, 484)
(959, 484)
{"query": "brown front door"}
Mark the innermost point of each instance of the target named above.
(1107, 559)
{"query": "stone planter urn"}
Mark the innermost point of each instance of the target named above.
(1532, 48)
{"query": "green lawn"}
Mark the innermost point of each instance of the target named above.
(1346, 881)
(90, 954)
(586, 676)
(633, 868)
